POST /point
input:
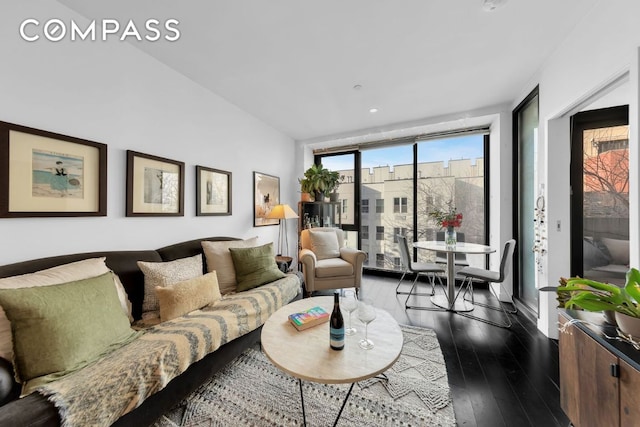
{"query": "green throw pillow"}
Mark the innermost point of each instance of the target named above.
(255, 266)
(61, 328)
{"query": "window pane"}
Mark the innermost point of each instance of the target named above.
(365, 206)
(452, 169)
(343, 163)
(387, 179)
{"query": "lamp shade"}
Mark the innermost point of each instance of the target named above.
(282, 212)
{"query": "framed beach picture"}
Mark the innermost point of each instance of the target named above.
(266, 194)
(45, 174)
(155, 185)
(213, 191)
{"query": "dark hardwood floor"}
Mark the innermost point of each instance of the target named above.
(498, 377)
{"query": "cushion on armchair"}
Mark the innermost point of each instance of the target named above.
(324, 244)
(333, 267)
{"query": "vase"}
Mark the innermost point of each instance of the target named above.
(450, 237)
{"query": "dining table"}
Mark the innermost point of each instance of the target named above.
(449, 301)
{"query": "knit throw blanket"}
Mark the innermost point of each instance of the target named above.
(100, 393)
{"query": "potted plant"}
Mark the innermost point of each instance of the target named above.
(316, 180)
(591, 295)
(333, 179)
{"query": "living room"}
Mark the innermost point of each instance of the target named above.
(120, 94)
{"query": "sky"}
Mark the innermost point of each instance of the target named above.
(462, 147)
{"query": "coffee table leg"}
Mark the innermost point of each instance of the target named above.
(304, 416)
(343, 404)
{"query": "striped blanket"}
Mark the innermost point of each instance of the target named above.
(100, 393)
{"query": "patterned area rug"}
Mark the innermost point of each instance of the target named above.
(250, 391)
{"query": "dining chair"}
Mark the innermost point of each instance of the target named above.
(441, 257)
(470, 273)
(430, 270)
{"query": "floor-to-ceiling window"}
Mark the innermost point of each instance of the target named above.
(400, 183)
(525, 119)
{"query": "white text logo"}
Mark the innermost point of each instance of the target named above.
(55, 30)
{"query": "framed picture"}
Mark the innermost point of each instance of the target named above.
(45, 174)
(266, 194)
(213, 191)
(155, 186)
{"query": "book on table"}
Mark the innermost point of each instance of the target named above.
(308, 318)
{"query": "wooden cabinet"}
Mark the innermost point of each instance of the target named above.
(319, 214)
(599, 381)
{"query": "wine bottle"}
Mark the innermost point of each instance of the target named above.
(336, 325)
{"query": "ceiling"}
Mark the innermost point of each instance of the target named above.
(294, 63)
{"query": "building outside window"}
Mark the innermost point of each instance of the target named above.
(344, 206)
(399, 205)
(379, 206)
(379, 232)
(365, 232)
(365, 206)
(380, 260)
(398, 230)
(397, 265)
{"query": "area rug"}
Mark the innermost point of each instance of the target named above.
(250, 391)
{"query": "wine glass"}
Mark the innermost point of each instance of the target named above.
(350, 304)
(366, 314)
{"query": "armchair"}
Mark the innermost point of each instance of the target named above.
(327, 263)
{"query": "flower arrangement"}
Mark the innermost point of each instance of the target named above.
(449, 218)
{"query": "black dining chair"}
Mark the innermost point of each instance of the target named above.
(489, 276)
(432, 271)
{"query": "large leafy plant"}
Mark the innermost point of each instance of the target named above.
(591, 295)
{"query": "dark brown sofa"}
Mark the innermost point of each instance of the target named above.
(35, 410)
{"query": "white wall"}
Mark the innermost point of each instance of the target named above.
(114, 94)
(600, 49)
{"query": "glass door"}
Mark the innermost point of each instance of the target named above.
(600, 194)
(525, 140)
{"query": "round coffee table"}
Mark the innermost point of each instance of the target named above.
(306, 355)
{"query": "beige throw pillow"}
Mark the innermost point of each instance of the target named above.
(184, 297)
(74, 271)
(219, 260)
(324, 244)
(167, 273)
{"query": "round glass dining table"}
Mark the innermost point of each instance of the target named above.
(449, 301)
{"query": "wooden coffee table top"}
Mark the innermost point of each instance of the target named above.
(306, 354)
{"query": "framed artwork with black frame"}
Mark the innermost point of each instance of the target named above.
(266, 194)
(46, 174)
(155, 185)
(213, 191)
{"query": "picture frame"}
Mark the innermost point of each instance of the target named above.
(266, 194)
(155, 185)
(47, 174)
(213, 192)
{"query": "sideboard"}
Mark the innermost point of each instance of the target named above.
(599, 376)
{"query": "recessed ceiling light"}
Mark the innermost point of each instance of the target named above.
(373, 110)
(491, 5)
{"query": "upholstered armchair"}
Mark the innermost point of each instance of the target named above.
(327, 263)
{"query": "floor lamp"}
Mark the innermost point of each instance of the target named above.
(282, 213)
